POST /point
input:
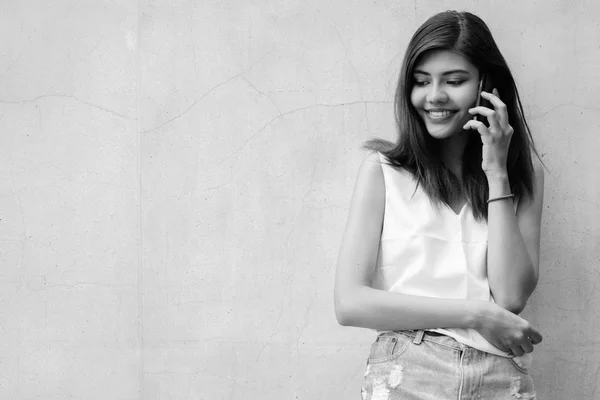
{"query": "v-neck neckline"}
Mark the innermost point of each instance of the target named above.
(460, 212)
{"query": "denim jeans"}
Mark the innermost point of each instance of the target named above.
(419, 365)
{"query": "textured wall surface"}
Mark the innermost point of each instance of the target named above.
(175, 178)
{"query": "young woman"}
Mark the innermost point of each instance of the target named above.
(441, 248)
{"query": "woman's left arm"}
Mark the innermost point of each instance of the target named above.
(514, 242)
(513, 239)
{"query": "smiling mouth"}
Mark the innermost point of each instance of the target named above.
(439, 113)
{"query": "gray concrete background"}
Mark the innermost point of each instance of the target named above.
(175, 178)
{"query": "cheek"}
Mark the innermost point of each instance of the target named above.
(416, 98)
(470, 97)
(465, 99)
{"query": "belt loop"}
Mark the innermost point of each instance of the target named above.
(419, 337)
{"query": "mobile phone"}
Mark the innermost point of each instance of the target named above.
(486, 85)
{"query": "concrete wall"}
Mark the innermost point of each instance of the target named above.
(175, 178)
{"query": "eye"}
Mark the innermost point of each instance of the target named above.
(456, 82)
(420, 83)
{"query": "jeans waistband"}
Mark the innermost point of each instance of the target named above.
(422, 335)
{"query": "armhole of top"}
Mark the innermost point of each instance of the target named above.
(382, 162)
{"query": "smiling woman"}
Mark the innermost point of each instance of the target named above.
(440, 252)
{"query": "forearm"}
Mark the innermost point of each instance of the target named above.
(511, 272)
(378, 309)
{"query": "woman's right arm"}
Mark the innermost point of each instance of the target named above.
(358, 304)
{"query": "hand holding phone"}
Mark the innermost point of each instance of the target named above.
(496, 138)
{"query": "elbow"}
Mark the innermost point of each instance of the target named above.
(514, 305)
(346, 308)
(516, 300)
(343, 313)
(517, 307)
(342, 319)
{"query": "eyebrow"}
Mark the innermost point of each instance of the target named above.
(453, 71)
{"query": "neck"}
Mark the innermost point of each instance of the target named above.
(452, 150)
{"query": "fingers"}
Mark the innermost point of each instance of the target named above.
(535, 336)
(516, 351)
(499, 106)
(490, 115)
(498, 117)
(521, 348)
(478, 126)
(527, 347)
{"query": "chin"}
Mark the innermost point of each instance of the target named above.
(444, 133)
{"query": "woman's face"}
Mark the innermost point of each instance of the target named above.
(444, 88)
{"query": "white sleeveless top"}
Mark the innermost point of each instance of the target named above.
(429, 250)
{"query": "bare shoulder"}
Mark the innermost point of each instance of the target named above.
(372, 156)
(369, 190)
(538, 170)
(538, 179)
(370, 173)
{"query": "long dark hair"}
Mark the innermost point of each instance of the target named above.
(417, 152)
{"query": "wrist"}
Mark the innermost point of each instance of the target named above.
(478, 314)
(496, 175)
(498, 184)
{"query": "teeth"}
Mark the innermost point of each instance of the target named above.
(439, 113)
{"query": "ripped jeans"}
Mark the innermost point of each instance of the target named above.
(420, 365)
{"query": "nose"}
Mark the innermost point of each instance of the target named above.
(436, 94)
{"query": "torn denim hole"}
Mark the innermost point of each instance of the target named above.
(383, 380)
(380, 390)
(395, 378)
(515, 390)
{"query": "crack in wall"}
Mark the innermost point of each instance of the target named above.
(203, 96)
(274, 119)
(68, 97)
